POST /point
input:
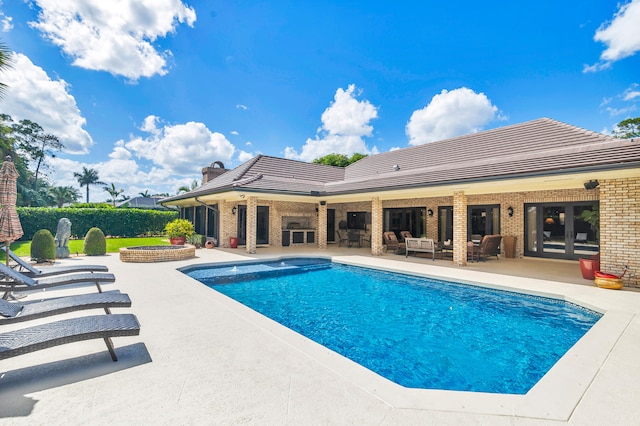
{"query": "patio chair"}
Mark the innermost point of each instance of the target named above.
(392, 243)
(27, 269)
(18, 312)
(489, 246)
(31, 339)
(354, 237)
(12, 280)
(404, 235)
(341, 238)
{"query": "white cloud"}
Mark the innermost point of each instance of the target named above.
(621, 36)
(623, 103)
(344, 125)
(180, 148)
(33, 95)
(234, 133)
(244, 156)
(449, 114)
(5, 21)
(242, 107)
(115, 36)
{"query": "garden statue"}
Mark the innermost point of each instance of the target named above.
(62, 238)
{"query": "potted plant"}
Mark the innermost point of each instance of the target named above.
(178, 230)
(195, 239)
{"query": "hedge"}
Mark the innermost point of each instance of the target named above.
(113, 222)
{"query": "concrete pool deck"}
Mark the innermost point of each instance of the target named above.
(203, 359)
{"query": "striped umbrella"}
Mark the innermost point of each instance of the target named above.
(10, 227)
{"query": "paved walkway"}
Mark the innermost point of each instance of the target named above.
(203, 359)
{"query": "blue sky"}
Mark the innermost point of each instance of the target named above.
(148, 92)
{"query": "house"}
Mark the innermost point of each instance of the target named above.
(532, 181)
(152, 203)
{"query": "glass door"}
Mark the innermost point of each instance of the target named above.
(562, 230)
(262, 229)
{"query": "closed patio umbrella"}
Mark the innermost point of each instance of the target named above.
(10, 227)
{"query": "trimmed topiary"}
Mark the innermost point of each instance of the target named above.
(43, 247)
(95, 243)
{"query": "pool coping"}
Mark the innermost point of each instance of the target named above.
(554, 397)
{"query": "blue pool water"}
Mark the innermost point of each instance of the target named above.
(417, 332)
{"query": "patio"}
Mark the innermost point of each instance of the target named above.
(202, 359)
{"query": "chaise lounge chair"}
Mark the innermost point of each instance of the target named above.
(29, 270)
(27, 340)
(18, 312)
(12, 280)
(392, 243)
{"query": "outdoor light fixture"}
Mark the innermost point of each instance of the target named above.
(592, 184)
(323, 203)
(430, 212)
(549, 221)
(510, 211)
(233, 210)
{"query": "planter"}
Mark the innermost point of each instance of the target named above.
(209, 244)
(177, 241)
(509, 246)
(233, 242)
(589, 266)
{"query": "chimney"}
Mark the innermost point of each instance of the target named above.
(212, 172)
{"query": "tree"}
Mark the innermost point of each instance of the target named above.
(64, 194)
(113, 192)
(629, 128)
(87, 178)
(6, 59)
(36, 144)
(185, 188)
(339, 160)
(145, 194)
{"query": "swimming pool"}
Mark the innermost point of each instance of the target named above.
(417, 332)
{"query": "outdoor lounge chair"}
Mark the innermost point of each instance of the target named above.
(392, 243)
(404, 235)
(12, 280)
(27, 269)
(31, 339)
(489, 246)
(18, 312)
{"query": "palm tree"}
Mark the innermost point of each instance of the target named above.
(88, 177)
(64, 194)
(113, 192)
(185, 188)
(145, 194)
(5, 62)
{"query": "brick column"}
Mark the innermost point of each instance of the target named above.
(322, 226)
(459, 228)
(376, 227)
(228, 222)
(252, 224)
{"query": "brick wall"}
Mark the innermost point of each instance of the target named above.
(620, 227)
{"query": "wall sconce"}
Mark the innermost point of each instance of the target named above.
(549, 221)
(592, 184)
(323, 203)
(510, 211)
(233, 211)
(430, 212)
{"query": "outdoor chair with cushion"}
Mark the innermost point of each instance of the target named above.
(27, 269)
(18, 312)
(404, 235)
(12, 280)
(392, 243)
(31, 339)
(489, 246)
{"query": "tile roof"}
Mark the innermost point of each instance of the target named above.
(542, 146)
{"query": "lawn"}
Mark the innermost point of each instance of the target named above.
(23, 248)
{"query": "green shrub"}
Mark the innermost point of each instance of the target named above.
(113, 222)
(43, 246)
(179, 228)
(95, 243)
